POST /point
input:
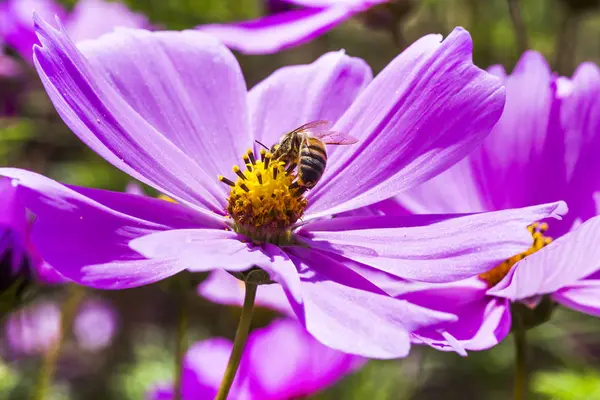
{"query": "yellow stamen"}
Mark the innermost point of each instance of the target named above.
(496, 274)
(262, 203)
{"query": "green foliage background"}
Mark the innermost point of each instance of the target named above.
(565, 352)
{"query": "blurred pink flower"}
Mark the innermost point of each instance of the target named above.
(281, 361)
(284, 29)
(88, 20)
(35, 328)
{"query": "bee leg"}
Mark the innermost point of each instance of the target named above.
(300, 191)
(290, 168)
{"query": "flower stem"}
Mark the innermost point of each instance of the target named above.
(518, 25)
(397, 35)
(521, 388)
(239, 343)
(68, 312)
(566, 42)
(180, 344)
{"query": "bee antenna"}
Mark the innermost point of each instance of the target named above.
(262, 145)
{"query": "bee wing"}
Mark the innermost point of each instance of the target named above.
(314, 127)
(339, 138)
(321, 129)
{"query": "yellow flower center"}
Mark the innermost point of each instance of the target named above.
(264, 201)
(496, 274)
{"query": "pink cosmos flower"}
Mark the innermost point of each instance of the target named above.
(281, 361)
(172, 110)
(279, 31)
(542, 149)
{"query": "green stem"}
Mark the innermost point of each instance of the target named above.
(397, 35)
(68, 312)
(521, 388)
(566, 42)
(239, 343)
(518, 25)
(181, 344)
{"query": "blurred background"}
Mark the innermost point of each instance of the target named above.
(134, 348)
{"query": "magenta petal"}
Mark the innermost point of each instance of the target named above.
(85, 236)
(12, 212)
(520, 162)
(282, 270)
(201, 249)
(560, 264)
(583, 296)
(204, 115)
(281, 361)
(431, 248)
(273, 33)
(295, 95)
(221, 287)
(92, 18)
(423, 113)
(483, 321)
(205, 364)
(286, 362)
(456, 190)
(105, 120)
(357, 321)
(580, 116)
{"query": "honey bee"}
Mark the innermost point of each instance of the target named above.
(304, 148)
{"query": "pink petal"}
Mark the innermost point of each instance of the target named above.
(295, 95)
(431, 248)
(483, 321)
(583, 296)
(200, 250)
(84, 233)
(274, 33)
(205, 364)
(357, 321)
(424, 112)
(580, 116)
(456, 190)
(129, 126)
(286, 362)
(221, 287)
(563, 262)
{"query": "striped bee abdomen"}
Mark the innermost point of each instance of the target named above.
(312, 162)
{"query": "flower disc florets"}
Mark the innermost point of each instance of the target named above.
(264, 201)
(496, 274)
